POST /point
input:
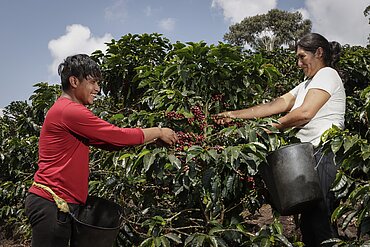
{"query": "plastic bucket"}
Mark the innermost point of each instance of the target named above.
(97, 223)
(291, 178)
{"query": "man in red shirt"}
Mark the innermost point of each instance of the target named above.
(63, 166)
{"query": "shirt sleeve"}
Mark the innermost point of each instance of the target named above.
(325, 79)
(81, 121)
(294, 91)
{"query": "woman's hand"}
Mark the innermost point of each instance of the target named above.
(223, 118)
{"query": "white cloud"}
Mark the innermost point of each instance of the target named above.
(237, 10)
(77, 39)
(304, 12)
(117, 11)
(340, 20)
(167, 24)
(148, 11)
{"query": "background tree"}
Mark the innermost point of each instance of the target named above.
(269, 31)
(123, 56)
(367, 13)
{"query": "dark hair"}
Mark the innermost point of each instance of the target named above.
(81, 66)
(312, 41)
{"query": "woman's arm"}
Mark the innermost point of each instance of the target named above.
(312, 103)
(282, 104)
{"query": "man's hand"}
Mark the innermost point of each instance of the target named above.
(168, 136)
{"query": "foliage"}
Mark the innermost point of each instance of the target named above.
(269, 31)
(355, 72)
(122, 57)
(19, 130)
(367, 13)
(194, 193)
(198, 185)
(351, 185)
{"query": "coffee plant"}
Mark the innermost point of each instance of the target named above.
(203, 190)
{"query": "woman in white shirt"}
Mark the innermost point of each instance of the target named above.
(313, 106)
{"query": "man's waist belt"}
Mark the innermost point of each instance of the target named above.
(61, 203)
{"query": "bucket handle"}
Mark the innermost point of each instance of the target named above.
(73, 216)
(322, 155)
(78, 221)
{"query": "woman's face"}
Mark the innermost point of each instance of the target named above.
(310, 62)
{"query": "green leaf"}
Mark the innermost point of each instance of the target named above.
(336, 144)
(213, 240)
(340, 181)
(234, 154)
(148, 161)
(283, 240)
(278, 227)
(173, 237)
(143, 153)
(359, 192)
(365, 151)
(215, 230)
(349, 142)
(195, 240)
(165, 242)
(147, 242)
(231, 179)
(193, 152)
(243, 133)
(126, 155)
(265, 242)
(339, 212)
(117, 117)
(175, 161)
(348, 219)
(189, 240)
(159, 220)
(195, 149)
(170, 70)
(213, 153)
(157, 241)
(259, 145)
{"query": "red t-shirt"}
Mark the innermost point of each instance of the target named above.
(68, 131)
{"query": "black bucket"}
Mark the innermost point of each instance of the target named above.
(291, 178)
(97, 223)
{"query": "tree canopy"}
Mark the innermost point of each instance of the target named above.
(367, 14)
(269, 31)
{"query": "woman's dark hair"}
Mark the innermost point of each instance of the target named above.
(312, 41)
(80, 66)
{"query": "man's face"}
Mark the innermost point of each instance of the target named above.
(86, 90)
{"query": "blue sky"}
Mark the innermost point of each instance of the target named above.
(37, 34)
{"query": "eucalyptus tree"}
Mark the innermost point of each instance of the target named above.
(269, 31)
